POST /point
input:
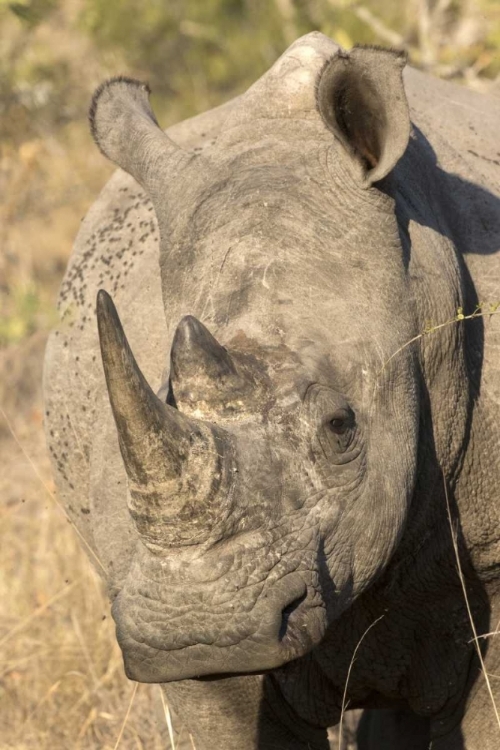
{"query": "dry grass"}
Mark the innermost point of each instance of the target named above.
(62, 683)
(475, 638)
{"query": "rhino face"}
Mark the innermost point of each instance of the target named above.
(270, 482)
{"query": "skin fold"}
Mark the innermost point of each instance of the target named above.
(268, 459)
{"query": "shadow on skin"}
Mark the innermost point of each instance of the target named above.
(397, 728)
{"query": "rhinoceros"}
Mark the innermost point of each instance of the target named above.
(284, 459)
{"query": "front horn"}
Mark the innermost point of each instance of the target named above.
(179, 469)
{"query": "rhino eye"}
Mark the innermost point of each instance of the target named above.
(336, 437)
(338, 425)
(341, 421)
(339, 435)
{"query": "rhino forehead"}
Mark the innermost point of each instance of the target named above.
(288, 88)
(292, 260)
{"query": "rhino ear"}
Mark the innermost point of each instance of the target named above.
(361, 98)
(126, 131)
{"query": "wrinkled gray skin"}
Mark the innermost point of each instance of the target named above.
(285, 491)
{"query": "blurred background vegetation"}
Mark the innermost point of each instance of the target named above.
(62, 683)
(195, 54)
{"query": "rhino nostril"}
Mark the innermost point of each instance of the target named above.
(287, 613)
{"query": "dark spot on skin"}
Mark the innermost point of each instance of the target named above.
(85, 511)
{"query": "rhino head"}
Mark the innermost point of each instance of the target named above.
(270, 482)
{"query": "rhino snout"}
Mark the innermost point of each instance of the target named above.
(165, 644)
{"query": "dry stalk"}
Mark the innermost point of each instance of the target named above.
(124, 723)
(50, 692)
(469, 611)
(430, 328)
(344, 705)
(168, 719)
(487, 635)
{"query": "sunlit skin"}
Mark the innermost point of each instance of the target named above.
(269, 462)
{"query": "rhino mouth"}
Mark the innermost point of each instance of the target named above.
(282, 626)
(287, 616)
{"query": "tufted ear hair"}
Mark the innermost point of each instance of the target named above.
(361, 98)
(125, 129)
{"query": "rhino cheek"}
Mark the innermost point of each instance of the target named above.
(391, 477)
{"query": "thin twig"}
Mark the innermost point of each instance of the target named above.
(478, 313)
(134, 691)
(469, 611)
(344, 706)
(378, 26)
(486, 635)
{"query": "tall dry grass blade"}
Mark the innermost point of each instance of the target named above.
(49, 491)
(168, 719)
(124, 724)
(50, 692)
(192, 742)
(85, 650)
(91, 717)
(344, 706)
(39, 610)
(114, 663)
(469, 611)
